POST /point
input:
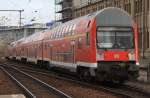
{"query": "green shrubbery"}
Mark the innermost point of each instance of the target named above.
(3, 48)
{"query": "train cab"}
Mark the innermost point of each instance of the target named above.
(116, 45)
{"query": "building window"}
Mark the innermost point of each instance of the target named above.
(138, 6)
(128, 7)
(148, 39)
(147, 5)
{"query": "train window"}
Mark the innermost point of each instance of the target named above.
(57, 33)
(60, 31)
(72, 31)
(70, 28)
(79, 42)
(54, 31)
(51, 36)
(54, 34)
(57, 36)
(88, 24)
(64, 30)
(67, 30)
(60, 34)
(74, 27)
(88, 39)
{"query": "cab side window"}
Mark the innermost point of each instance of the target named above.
(88, 38)
(80, 42)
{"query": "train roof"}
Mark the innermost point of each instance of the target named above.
(34, 37)
(113, 16)
(17, 42)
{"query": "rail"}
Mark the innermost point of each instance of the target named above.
(31, 95)
(125, 90)
(28, 93)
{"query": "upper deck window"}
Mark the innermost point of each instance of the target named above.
(88, 24)
(60, 32)
(66, 31)
(74, 27)
(63, 30)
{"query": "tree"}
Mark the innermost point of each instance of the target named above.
(3, 48)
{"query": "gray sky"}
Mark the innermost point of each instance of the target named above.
(40, 10)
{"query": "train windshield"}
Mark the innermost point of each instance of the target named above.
(115, 39)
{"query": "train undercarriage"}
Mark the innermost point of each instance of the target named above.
(117, 71)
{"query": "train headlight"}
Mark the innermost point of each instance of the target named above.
(100, 56)
(131, 55)
(137, 63)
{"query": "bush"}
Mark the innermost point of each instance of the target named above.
(3, 48)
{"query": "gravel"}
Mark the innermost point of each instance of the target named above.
(7, 86)
(73, 89)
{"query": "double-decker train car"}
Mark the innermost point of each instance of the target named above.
(103, 45)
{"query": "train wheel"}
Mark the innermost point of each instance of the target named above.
(121, 81)
(85, 75)
(48, 66)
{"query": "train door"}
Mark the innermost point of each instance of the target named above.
(50, 53)
(36, 47)
(27, 54)
(72, 51)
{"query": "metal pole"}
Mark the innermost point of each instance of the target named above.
(20, 12)
(20, 19)
(55, 10)
(148, 73)
(143, 28)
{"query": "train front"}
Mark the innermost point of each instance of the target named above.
(117, 46)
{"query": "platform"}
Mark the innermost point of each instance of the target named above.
(144, 62)
(144, 86)
(13, 96)
(144, 70)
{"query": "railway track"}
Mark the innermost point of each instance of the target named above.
(125, 91)
(33, 87)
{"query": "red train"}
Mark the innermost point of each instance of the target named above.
(103, 45)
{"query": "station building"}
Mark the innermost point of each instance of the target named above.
(13, 33)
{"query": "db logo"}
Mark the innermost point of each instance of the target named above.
(116, 56)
